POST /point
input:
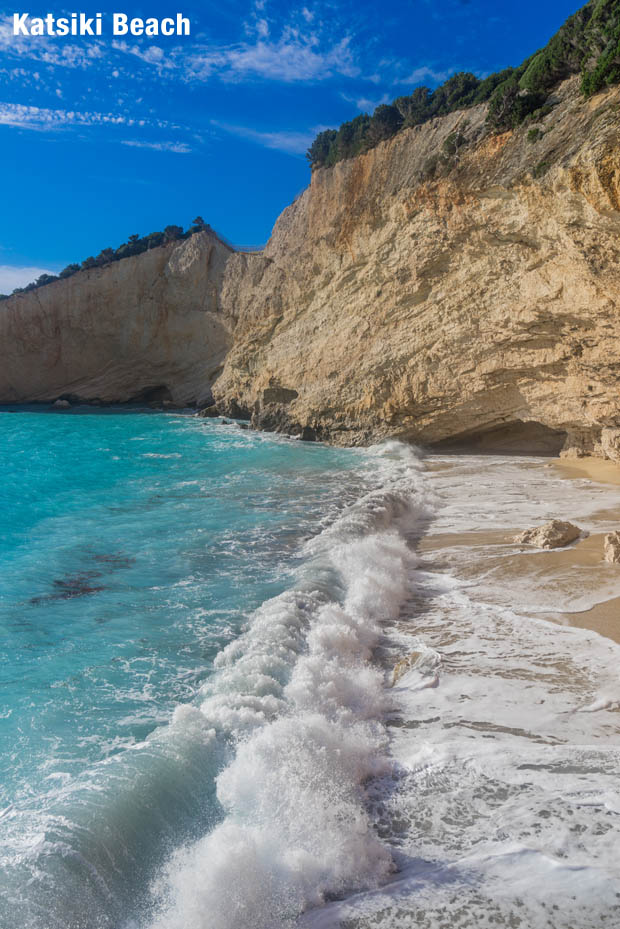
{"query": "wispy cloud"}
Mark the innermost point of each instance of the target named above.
(41, 118)
(153, 55)
(12, 277)
(292, 142)
(180, 148)
(34, 117)
(425, 73)
(305, 48)
(367, 104)
(292, 58)
(50, 51)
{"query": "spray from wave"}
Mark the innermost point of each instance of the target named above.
(300, 706)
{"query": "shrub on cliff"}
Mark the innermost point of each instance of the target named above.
(415, 108)
(135, 245)
(385, 122)
(68, 271)
(510, 105)
(173, 233)
(604, 37)
(44, 279)
(453, 144)
(587, 43)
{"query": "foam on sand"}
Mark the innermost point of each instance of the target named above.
(502, 808)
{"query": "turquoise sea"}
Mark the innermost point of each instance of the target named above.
(160, 578)
(201, 724)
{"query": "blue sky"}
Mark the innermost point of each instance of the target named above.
(102, 137)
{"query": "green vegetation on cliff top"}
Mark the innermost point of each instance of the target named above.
(588, 43)
(135, 245)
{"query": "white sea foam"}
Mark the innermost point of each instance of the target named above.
(303, 706)
(502, 808)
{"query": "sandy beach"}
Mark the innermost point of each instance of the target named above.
(600, 470)
(579, 566)
(500, 807)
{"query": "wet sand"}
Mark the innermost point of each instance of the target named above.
(596, 469)
(558, 572)
(604, 618)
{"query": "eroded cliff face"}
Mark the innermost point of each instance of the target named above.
(148, 327)
(468, 297)
(431, 290)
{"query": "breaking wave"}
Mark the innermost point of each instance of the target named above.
(299, 705)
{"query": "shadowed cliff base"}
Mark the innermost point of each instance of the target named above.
(517, 438)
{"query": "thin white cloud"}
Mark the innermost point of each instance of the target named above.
(35, 117)
(21, 116)
(153, 55)
(424, 73)
(366, 104)
(301, 50)
(180, 148)
(12, 277)
(49, 50)
(292, 58)
(291, 142)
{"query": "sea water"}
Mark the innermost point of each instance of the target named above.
(188, 712)
(199, 627)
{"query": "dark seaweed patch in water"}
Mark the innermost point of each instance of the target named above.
(66, 588)
(81, 584)
(114, 560)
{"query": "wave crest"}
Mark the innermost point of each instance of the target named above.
(302, 706)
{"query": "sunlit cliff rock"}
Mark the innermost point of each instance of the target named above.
(441, 296)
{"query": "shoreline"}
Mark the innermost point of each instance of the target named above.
(554, 568)
(600, 470)
(551, 567)
(503, 722)
(476, 669)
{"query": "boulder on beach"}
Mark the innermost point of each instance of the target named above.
(611, 546)
(61, 404)
(555, 534)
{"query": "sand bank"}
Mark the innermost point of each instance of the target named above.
(572, 586)
(595, 469)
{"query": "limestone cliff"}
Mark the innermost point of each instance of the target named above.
(450, 285)
(436, 295)
(148, 327)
